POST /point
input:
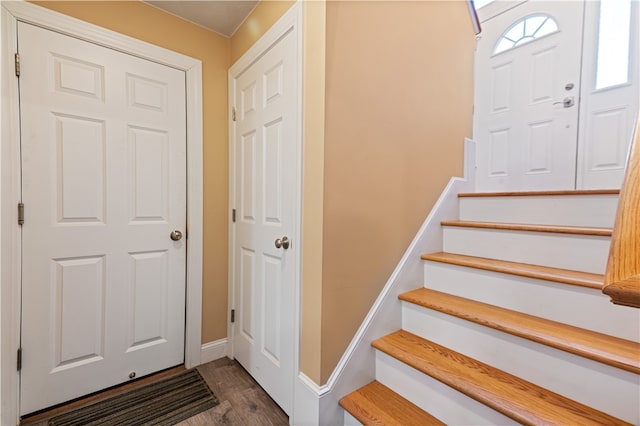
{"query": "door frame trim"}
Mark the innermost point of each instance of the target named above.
(10, 250)
(291, 21)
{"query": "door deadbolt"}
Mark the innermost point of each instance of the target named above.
(282, 243)
(176, 235)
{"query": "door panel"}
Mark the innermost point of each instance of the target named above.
(527, 139)
(266, 181)
(607, 114)
(104, 184)
(78, 330)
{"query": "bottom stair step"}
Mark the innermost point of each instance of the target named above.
(376, 404)
(516, 398)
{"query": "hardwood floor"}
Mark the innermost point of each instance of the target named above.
(242, 400)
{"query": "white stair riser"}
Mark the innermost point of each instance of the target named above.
(349, 420)
(439, 400)
(605, 388)
(568, 210)
(576, 252)
(578, 306)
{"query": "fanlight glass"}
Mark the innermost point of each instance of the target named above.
(524, 31)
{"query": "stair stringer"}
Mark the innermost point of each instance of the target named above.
(357, 365)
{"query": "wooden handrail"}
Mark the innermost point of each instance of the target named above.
(622, 278)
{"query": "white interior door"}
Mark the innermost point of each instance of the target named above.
(527, 92)
(103, 173)
(265, 146)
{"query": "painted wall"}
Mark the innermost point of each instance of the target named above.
(147, 23)
(399, 96)
(263, 16)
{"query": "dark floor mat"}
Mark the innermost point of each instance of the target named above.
(162, 403)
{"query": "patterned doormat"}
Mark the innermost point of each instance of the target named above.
(165, 402)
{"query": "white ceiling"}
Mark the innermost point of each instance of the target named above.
(221, 16)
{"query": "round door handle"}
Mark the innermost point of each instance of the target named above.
(176, 235)
(282, 243)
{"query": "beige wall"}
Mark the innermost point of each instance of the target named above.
(147, 23)
(399, 101)
(313, 187)
(265, 14)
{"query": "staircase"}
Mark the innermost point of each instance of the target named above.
(511, 326)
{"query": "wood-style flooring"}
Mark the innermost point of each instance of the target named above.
(242, 400)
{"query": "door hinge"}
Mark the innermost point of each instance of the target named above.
(17, 60)
(233, 315)
(19, 359)
(233, 113)
(233, 215)
(20, 214)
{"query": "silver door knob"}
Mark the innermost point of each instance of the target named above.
(282, 243)
(176, 235)
(567, 102)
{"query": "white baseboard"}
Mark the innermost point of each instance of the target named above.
(213, 350)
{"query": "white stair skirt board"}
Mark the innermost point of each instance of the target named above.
(564, 303)
(357, 365)
(306, 396)
(576, 252)
(213, 350)
(570, 210)
(603, 387)
(439, 400)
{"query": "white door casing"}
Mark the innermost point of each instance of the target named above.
(10, 260)
(265, 153)
(104, 179)
(526, 137)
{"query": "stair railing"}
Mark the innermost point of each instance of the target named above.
(622, 277)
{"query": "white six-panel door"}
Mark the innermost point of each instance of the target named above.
(527, 137)
(265, 148)
(103, 173)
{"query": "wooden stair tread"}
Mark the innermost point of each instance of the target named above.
(518, 399)
(609, 350)
(540, 193)
(566, 276)
(625, 292)
(376, 404)
(579, 230)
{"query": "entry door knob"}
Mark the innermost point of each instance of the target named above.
(282, 242)
(176, 235)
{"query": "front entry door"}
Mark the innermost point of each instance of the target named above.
(265, 248)
(527, 94)
(103, 185)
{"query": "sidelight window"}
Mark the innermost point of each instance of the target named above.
(614, 30)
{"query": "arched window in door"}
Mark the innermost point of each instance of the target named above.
(525, 30)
